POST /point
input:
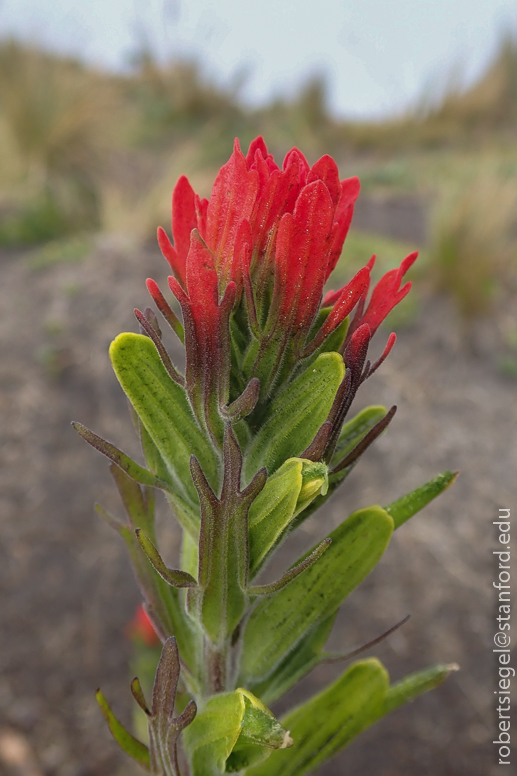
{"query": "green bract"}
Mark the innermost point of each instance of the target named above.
(162, 406)
(235, 730)
(296, 414)
(287, 492)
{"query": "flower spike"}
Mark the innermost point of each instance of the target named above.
(247, 445)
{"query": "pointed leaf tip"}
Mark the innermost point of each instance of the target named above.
(123, 461)
(138, 695)
(125, 740)
(173, 577)
(154, 335)
(365, 442)
(407, 506)
(413, 685)
(166, 680)
(293, 572)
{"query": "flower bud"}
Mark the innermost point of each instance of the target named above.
(314, 482)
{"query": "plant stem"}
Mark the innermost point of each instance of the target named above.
(216, 667)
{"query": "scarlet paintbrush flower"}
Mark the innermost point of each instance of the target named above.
(246, 444)
(263, 226)
(252, 261)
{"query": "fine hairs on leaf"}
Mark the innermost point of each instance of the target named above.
(247, 445)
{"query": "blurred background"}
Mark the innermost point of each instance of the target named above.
(102, 107)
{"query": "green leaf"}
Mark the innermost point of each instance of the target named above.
(120, 459)
(153, 458)
(416, 684)
(164, 409)
(286, 493)
(154, 335)
(279, 622)
(260, 734)
(233, 731)
(186, 513)
(296, 414)
(293, 573)
(358, 699)
(173, 577)
(328, 722)
(189, 554)
(211, 737)
(125, 740)
(259, 725)
(346, 464)
(407, 506)
(356, 429)
(138, 501)
(303, 658)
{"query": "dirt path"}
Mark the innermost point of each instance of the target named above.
(65, 585)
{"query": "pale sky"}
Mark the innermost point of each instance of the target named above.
(379, 54)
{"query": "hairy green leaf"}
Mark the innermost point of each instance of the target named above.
(296, 414)
(303, 658)
(260, 734)
(293, 573)
(221, 598)
(233, 731)
(407, 506)
(279, 622)
(416, 684)
(125, 740)
(120, 459)
(286, 493)
(356, 429)
(329, 721)
(164, 409)
(210, 738)
(173, 577)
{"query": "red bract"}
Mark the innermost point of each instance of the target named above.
(206, 326)
(254, 204)
(250, 265)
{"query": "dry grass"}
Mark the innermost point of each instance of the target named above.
(56, 116)
(474, 241)
(56, 111)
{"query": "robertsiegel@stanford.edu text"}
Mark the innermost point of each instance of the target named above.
(502, 639)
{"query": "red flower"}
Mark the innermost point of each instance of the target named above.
(250, 265)
(263, 226)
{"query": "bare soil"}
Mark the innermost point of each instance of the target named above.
(66, 586)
